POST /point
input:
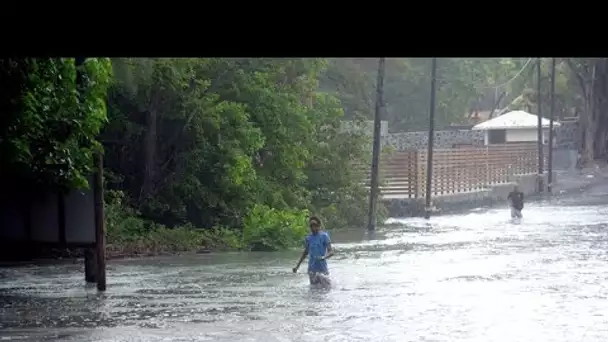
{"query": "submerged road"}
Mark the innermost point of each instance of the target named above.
(471, 277)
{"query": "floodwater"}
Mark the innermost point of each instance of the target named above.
(468, 277)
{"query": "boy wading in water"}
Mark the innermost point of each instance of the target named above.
(317, 246)
(516, 198)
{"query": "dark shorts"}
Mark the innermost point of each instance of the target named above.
(317, 278)
(515, 213)
(318, 267)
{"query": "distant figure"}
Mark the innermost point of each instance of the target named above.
(317, 246)
(579, 162)
(516, 199)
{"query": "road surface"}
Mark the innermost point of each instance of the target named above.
(468, 277)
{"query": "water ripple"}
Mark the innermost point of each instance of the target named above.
(471, 277)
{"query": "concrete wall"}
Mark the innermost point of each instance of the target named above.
(448, 138)
(566, 136)
(516, 135)
(521, 135)
(493, 195)
(442, 139)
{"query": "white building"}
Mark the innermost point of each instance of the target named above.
(512, 127)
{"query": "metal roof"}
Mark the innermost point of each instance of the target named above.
(514, 120)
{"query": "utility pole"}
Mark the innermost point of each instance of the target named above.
(551, 116)
(589, 153)
(540, 127)
(373, 195)
(429, 156)
(100, 228)
(94, 258)
(89, 253)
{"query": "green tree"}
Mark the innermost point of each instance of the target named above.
(464, 84)
(182, 152)
(205, 141)
(49, 125)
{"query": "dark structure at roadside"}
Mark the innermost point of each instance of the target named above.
(42, 224)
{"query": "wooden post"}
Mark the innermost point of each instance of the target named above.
(89, 265)
(429, 157)
(410, 174)
(373, 194)
(100, 229)
(416, 174)
(551, 116)
(89, 255)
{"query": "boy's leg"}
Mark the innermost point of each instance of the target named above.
(312, 277)
(319, 278)
(323, 279)
(318, 272)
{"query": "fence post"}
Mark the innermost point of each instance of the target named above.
(417, 174)
(453, 177)
(487, 157)
(467, 173)
(410, 174)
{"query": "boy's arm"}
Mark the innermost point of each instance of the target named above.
(304, 254)
(330, 250)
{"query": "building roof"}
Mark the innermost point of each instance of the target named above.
(514, 120)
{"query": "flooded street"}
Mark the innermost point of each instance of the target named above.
(468, 277)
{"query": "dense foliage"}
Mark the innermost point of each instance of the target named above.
(250, 144)
(589, 82)
(463, 85)
(238, 151)
(48, 129)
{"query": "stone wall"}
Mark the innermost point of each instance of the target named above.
(566, 137)
(443, 139)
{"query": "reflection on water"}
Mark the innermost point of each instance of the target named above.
(472, 277)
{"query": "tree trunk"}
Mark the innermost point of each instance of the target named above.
(586, 83)
(587, 121)
(496, 104)
(600, 119)
(149, 142)
(586, 133)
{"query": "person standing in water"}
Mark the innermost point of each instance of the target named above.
(516, 198)
(317, 246)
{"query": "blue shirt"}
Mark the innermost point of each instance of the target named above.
(317, 247)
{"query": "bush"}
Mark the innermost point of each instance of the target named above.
(267, 229)
(347, 208)
(129, 234)
(223, 239)
(264, 229)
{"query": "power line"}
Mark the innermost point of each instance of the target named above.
(512, 78)
(502, 84)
